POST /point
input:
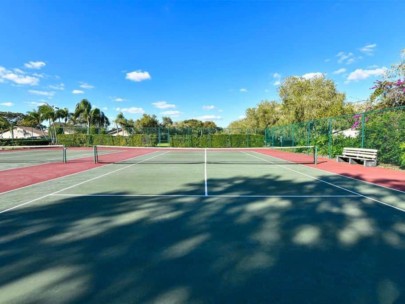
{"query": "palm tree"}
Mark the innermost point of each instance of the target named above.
(48, 113)
(63, 114)
(34, 119)
(98, 118)
(120, 121)
(83, 112)
(4, 123)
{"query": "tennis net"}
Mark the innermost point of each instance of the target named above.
(164, 155)
(32, 154)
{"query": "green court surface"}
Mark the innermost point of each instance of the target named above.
(30, 156)
(202, 227)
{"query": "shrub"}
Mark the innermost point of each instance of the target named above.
(402, 163)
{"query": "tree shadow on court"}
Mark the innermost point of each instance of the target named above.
(394, 183)
(234, 246)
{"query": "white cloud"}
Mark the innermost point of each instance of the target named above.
(360, 74)
(209, 118)
(131, 110)
(277, 79)
(84, 85)
(59, 87)
(312, 75)
(243, 90)
(163, 105)
(36, 103)
(6, 104)
(242, 116)
(368, 49)
(138, 76)
(36, 65)
(339, 71)
(77, 92)
(48, 94)
(172, 113)
(17, 76)
(118, 99)
(346, 58)
(208, 108)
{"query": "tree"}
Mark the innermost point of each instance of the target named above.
(210, 125)
(123, 123)
(83, 113)
(390, 92)
(63, 114)
(33, 119)
(308, 99)
(48, 113)
(120, 120)
(147, 121)
(167, 122)
(190, 123)
(8, 119)
(98, 118)
(238, 124)
(267, 113)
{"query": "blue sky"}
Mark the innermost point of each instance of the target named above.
(209, 60)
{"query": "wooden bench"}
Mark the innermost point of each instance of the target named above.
(359, 155)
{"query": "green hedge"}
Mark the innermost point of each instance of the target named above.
(402, 163)
(217, 140)
(151, 140)
(84, 140)
(25, 142)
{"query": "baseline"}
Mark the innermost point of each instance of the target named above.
(77, 184)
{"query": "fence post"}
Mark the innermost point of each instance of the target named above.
(308, 133)
(363, 128)
(330, 138)
(292, 135)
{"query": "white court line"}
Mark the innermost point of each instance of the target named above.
(78, 184)
(328, 183)
(68, 175)
(363, 181)
(201, 196)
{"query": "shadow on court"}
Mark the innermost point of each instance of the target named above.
(122, 249)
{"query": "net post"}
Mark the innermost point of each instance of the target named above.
(95, 154)
(64, 157)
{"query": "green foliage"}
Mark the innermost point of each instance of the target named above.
(84, 140)
(383, 130)
(307, 99)
(24, 142)
(74, 140)
(147, 121)
(217, 140)
(10, 118)
(390, 91)
(402, 163)
(301, 100)
(267, 113)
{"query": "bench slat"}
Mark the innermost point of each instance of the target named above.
(367, 156)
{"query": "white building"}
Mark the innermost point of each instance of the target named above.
(119, 132)
(23, 132)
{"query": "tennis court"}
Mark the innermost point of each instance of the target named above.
(201, 226)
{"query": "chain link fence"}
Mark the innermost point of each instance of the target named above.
(378, 129)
